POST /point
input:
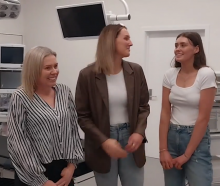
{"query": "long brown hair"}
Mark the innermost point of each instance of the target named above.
(200, 57)
(105, 52)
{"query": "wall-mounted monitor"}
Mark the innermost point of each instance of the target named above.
(11, 55)
(82, 20)
(10, 79)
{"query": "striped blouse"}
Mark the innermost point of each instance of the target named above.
(39, 134)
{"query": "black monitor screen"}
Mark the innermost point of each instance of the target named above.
(81, 21)
(10, 79)
(12, 55)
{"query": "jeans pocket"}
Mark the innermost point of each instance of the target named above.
(172, 143)
(113, 129)
(204, 145)
(202, 153)
(190, 131)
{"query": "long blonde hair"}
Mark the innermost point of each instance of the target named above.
(105, 52)
(32, 67)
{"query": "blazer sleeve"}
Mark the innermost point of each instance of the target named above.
(24, 159)
(84, 112)
(144, 108)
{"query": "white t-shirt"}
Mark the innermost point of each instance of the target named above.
(185, 101)
(117, 95)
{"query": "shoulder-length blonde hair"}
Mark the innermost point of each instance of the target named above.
(105, 52)
(32, 67)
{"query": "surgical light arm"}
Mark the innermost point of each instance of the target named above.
(126, 16)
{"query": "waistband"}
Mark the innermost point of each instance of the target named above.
(176, 126)
(179, 127)
(120, 126)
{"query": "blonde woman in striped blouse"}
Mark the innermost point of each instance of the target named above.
(43, 141)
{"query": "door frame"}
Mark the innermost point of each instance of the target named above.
(148, 30)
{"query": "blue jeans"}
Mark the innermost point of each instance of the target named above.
(198, 170)
(125, 168)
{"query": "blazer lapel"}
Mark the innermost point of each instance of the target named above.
(129, 83)
(102, 87)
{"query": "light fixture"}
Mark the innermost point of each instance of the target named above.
(9, 9)
(127, 16)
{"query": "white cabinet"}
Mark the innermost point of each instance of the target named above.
(216, 170)
(85, 180)
(215, 141)
(90, 182)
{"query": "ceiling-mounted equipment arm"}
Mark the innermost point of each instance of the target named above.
(125, 16)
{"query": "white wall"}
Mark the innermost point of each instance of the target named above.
(12, 30)
(42, 28)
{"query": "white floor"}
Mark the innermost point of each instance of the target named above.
(153, 174)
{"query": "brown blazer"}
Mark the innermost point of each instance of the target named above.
(93, 112)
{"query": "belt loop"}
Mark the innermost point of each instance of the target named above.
(188, 129)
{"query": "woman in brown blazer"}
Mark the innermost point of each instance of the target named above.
(112, 106)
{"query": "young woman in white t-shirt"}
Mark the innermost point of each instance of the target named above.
(188, 95)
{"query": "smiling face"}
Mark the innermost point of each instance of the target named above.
(185, 50)
(123, 43)
(49, 72)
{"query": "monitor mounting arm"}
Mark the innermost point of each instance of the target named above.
(126, 16)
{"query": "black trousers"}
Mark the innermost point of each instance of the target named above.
(53, 171)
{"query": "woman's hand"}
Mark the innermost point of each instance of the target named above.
(166, 160)
(113, 149)
(134, 142)
(179, 161)
(49, 183)
(67, 175)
